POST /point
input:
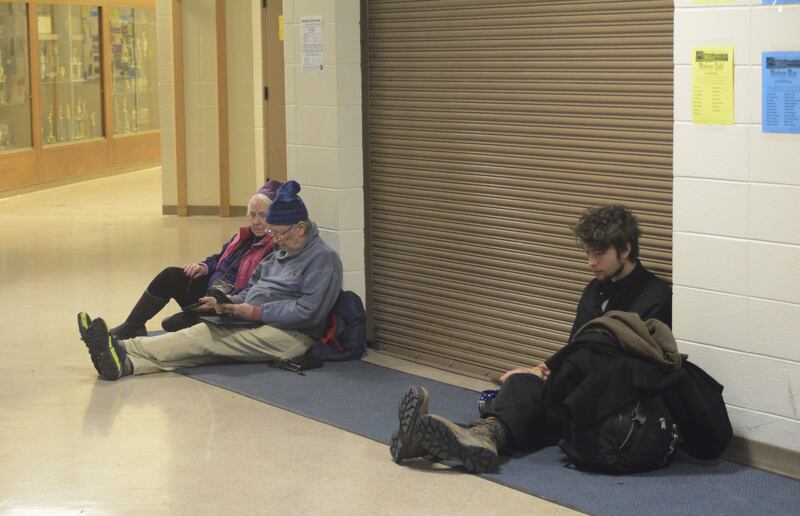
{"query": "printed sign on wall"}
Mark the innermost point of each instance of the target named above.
(780, 92)
(712, 85)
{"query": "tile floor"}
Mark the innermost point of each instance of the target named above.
(166, 444)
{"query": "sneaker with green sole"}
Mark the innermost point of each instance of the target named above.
(84, 323)
(108, 355)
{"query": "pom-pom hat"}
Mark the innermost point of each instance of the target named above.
(287, 208)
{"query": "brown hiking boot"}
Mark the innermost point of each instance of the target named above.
(405, 441)
(475, 447)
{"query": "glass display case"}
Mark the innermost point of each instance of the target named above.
(15, 99)
(133, 70)
(70, 72)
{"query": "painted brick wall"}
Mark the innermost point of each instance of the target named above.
(323, 129)
(736, 258)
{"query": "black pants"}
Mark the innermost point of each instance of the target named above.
(519, 405)
(172, 283)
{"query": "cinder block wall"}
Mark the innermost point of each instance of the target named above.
(324, 129)
(736, 257)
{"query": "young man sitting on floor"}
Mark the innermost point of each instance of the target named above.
(290, 294)
(610, 237)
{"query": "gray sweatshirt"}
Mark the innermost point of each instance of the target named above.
(296, 291)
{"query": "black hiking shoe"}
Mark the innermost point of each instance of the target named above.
(128, 331)
(476, 450)
(108, 355)
(84, 323)
(405, 441)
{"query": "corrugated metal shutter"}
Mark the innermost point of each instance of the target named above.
(492, 125)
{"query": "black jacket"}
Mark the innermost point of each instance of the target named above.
(641, 291)
(591, 378)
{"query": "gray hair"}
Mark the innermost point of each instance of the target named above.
(261, 197)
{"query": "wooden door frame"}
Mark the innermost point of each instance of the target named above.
(274, 89)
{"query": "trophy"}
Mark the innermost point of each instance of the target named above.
(125, 65)
(61, 128)
(54, 65)
(68, 116)
(117, 119)
(77, 65)
(126, 127)
(51, 137)
(80, 120)
(2, 83)
(5, 135)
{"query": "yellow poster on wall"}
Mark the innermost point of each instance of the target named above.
(712, 85)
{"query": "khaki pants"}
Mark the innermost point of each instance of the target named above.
(205, 344)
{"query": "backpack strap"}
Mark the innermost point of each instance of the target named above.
(330, 335)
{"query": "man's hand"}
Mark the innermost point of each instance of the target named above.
(541, 370)
(239, 311)
(194, 270)
(209, 304)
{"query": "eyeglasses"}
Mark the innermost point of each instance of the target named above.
(279, 235)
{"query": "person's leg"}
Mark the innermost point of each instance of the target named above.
(169, 283)
(512, 423)
(405, 441)
(518, 405)
(475, 447)
(204, 343)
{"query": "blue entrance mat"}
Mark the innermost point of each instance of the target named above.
(362, 398)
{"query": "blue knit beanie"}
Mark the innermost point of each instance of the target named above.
(287, 208)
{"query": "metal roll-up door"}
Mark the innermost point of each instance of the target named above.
(491, 126)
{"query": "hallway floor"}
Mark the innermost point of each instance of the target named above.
(165, 444)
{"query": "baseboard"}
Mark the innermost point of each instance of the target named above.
(171, 209)
(764, 456)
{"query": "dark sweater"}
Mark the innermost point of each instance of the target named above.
(640, 292)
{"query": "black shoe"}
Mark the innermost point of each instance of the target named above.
(405, 443)
(127, 331)
(180, 321)
(445, 439)
(84, 327)
(108, 355)
(145, 309)
(84, 323)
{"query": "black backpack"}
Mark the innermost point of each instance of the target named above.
(641, 436)
(346, 337)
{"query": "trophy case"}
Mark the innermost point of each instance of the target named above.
(15, 90)
(78, 90)
(69, 73)
(133, 70)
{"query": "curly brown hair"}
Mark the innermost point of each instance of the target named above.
(609, 226)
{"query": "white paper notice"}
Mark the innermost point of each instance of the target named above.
(311, 44)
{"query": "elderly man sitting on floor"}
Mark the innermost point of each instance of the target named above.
(288, 300)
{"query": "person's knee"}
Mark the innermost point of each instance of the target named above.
(167, 282)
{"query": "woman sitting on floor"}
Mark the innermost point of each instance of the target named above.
(228, 271)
